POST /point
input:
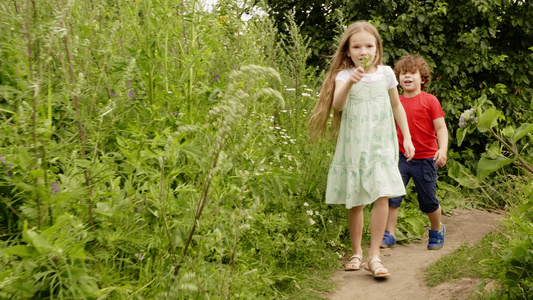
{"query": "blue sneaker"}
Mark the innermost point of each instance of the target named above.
(436, 238)
(388, 240)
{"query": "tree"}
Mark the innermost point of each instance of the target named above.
(475, 47)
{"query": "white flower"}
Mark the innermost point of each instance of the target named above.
(316, 213)
(309, 212)
(306, 204)
(312, 221)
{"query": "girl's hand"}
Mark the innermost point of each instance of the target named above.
(440, 158)
(409, 149)
(357, 75)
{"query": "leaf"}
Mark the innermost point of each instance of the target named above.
(487, 165)
(36, 240)
(522, 131)
(103, 208)
(462, 175)
(526, 207)
(461, 134)
(488, 119)
(21, 251)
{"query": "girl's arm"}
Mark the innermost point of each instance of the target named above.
(442, 139)
(401, 119)
(342, 89)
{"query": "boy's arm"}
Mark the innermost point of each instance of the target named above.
(401, 119)
(442, 139)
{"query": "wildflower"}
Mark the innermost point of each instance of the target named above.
(306, 204)
(217, 77)
(316, 213)
(312, 221)
(467, 117)
(306, 94)
(139, 256)
(55, 188)
(309, 212)
(111, 92)
(130, 94)
(176, 114)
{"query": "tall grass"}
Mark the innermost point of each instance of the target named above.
(152, 149)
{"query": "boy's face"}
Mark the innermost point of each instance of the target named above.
(411, 83)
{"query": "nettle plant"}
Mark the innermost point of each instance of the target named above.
(512, 145)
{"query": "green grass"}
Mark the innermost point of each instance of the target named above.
(465, 261)
(314, 286)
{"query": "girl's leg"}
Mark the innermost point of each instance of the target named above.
(380, 211)
(355, 224)
(378, 222)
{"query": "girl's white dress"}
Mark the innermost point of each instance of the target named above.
(365, 165)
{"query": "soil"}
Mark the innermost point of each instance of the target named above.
(406, 264)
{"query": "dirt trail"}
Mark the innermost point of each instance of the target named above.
(407, 263)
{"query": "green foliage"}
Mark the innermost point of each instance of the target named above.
(475, 49)
(504, 256)
(465, 261)
(151, 151)
(512, 266)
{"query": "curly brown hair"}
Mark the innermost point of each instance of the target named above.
(412, 63)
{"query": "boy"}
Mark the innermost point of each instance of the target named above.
(430, 138)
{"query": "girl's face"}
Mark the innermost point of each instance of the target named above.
(362, 45)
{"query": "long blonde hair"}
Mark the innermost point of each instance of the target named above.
(318, 119)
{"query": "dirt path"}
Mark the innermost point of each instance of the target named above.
(407, 263)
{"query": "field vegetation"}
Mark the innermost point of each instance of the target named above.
(156, 149)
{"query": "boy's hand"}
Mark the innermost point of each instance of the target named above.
(357, 75)
(409, 149)
(440, 158)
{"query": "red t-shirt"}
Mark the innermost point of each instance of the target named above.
(421, 110)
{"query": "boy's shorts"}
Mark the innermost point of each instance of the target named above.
(424, 174)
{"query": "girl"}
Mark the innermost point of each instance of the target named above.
(364, 97)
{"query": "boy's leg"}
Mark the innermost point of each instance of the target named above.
(435, 219)
(392, 220)
(425, 179)
(389, 238)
